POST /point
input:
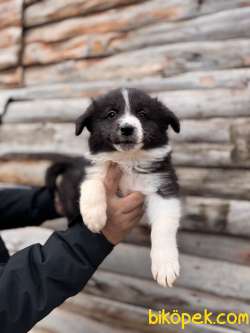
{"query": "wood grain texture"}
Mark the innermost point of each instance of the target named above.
(136, 16)
(166, 60)
(217, 277)
(10, 13)
(199, 80)
(11, 78)
(217, 26)
(187, 104)
(49, 11)
(207, 245)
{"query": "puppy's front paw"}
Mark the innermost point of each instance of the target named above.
(94, 214)
(165, 268)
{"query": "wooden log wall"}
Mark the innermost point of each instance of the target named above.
(195, 56)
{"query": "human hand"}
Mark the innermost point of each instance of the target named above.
(122, 213)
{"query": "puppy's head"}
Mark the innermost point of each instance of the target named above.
(126, 119)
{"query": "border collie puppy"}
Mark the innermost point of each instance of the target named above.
(129, 127)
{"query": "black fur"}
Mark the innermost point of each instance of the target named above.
(72, 172)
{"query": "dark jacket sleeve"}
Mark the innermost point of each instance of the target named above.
(39, 278)
(25, 207)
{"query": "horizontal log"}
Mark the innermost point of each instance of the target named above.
(216, 215)
(10, 46)
(234, 78)
(207, 275)
(217, 26)
(206, 155)
(166, 60)
(10, 36)
(234, 184)
(139, 15)
(58, 10)
(41, 138)
(11, 78)
(47, 11)
(187, 104)
(219, 247)
(9, 57)
(10, 13)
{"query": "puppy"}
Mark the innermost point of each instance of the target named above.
(129, 127)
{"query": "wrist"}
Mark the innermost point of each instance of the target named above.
(111, 236)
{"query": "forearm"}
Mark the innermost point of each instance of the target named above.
(39, 278)
(23, 207)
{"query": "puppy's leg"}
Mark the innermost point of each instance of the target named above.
(164, 215)
(93, 203)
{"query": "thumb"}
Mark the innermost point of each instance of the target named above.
(112, 178)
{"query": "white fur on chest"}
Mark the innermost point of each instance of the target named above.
(133, 166)
(132, 181)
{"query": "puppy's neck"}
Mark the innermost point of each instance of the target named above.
(134, 157)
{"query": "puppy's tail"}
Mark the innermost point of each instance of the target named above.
(53, 172)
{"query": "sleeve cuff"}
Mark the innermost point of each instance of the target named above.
(4, 254)
(43, 207)
(96, 246)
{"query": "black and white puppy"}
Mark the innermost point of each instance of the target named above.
(129, 127)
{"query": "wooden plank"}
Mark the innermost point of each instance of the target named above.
(217, 26)
(166, 60)
(213, 276)
(47, 11)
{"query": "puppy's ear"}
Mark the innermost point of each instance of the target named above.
(84, 120)
(170, 118)
(173, 121)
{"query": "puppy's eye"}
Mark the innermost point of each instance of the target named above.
(111, 114)
(141, 113)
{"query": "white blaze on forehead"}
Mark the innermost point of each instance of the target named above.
(126, 99)
(130, 119)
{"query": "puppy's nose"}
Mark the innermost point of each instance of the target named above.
(127, 130)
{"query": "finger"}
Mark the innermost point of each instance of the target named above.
(135, 213)
(131, 201)
(133, 219)
(112, 178)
